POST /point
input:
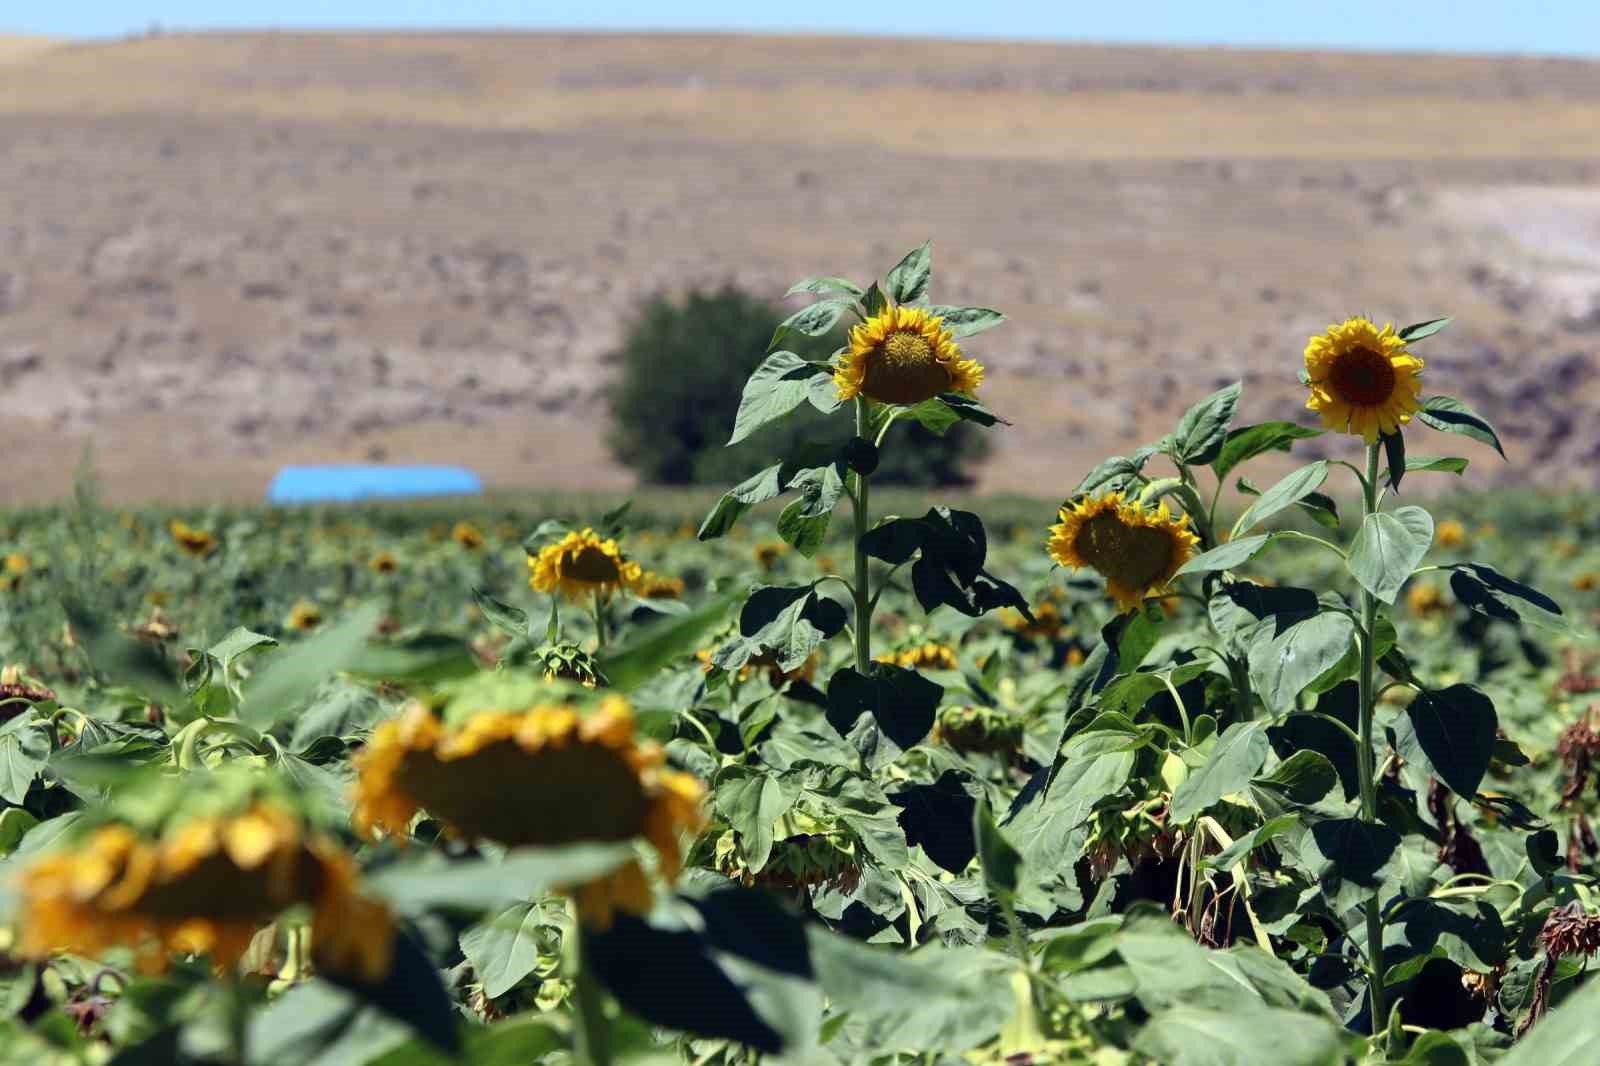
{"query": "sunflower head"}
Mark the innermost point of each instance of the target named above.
(1137, 551)
(467, 536)
(1451, 534)
(654, 586)
(1362, 379)
(383, 563)
(190, 540)
(16, 564)
(548, 776)
(769, 552)
(202, 884)
(904, 355)
(568, 662)
(978, 729)
(304, 617)
(581, 565)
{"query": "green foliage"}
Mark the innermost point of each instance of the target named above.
(681, 369)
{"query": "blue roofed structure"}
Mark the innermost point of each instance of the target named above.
(343, 484)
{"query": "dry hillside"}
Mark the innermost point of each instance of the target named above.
(222, 253)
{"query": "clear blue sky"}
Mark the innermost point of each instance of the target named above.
(1549, 26)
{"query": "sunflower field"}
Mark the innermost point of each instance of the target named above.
(1193, 767)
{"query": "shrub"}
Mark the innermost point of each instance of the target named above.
(680, 370)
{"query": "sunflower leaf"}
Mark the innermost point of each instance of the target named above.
(1485, 590)
(966, 321)
(779, 385)
(1289, 491)
(1247, 442)
(1226, 556)
(736, 501)
(908, 281)
(1420, 330)
(1449, 415)
(821, 285)
(1388, 547)
(1203, 429)
(1394, 449)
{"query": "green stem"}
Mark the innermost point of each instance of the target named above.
(863, 597)
(593, 1036)
(599, 624)
(186, 744)
(1369, 791)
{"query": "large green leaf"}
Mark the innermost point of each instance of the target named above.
(752, 799)
(1565, 1037)
(966, 321)
(1243, 1035)
(652, 647)
(1286, 493)
(1247, 442)
(908, 281)
(24, 747)
(755, 489)
(1233, 762)
(1234, 553)
(282, 687)
(485, 884)
(505, 948)
(1201, 431)
(1283, 664)
(1456, 727)
(1388, 548)
(1452, 416)
(776, 387)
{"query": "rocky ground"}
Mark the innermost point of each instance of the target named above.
(221, 254)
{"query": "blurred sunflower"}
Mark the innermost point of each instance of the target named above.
(383, 563)
(929, 656)
(1136, 550)
(467, 535)
(1450, 534)
(904, 355)
(1424, 600)
(580, 565)
(547, 776)
(769, 552)
(16, 564)
(1362, 378)
(205, 885)
(654, 586)
(192, 541)
(304, 617)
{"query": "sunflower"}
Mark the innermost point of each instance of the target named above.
(304, 617)
(581, 564)
(769, 552)
(467, 536)
(653, 586)
(1450, 534)
(1137, 551)
(16, 564)
(548, 776)
(904, 355)
(383, 563)
(929, 656)
(1424, 600)
(1362, 379)
(205, 885)
(192, 541)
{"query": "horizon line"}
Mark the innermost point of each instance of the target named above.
(157, 30)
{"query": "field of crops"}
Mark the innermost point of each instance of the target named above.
(1186, 770)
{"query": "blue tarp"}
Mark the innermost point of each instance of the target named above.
(327, 484)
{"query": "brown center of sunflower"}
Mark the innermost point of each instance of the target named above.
(593, 565)
(1133, 556)
(903, 370)
(1362, 377)
(217, 888)
(554, 796)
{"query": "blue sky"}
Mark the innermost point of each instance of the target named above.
(1548, 26)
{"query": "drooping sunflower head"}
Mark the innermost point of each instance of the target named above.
(580, 565)
(904, 355)
(1362, 379)
(654, 586)
(203, 884)
(467, 536)
(1137, 551)
(190, 540)
(548, 776)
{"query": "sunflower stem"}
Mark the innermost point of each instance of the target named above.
(599, 624)
(593, 1035)
(1369, 791)
(863, 594)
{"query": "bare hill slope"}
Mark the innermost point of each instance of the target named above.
(219, 253)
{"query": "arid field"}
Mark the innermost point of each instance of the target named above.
(219, 254)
